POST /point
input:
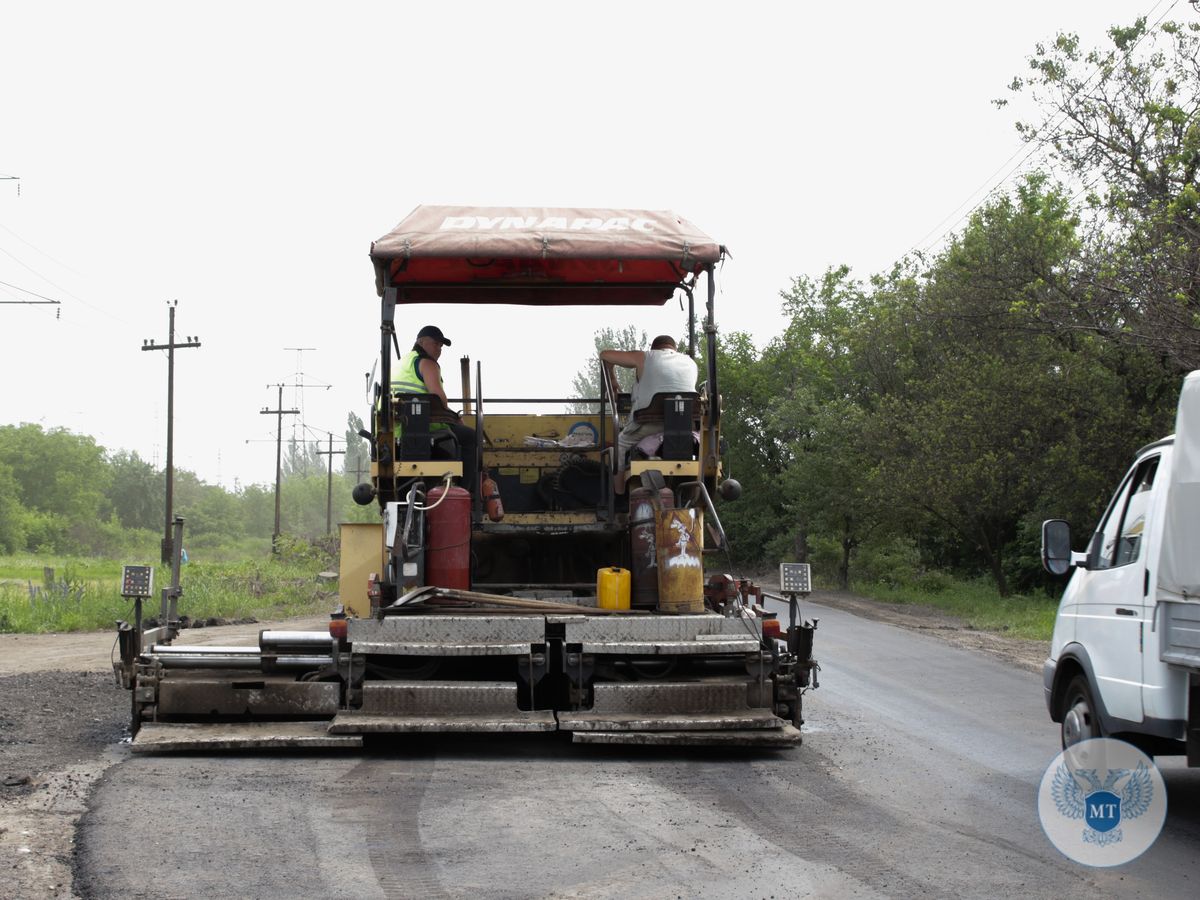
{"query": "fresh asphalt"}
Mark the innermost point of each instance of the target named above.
(917, 777)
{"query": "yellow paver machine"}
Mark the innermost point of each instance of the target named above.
(564, 587)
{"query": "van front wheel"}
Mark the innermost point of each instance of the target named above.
(1080, 721)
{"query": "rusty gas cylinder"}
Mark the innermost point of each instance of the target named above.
(679, 535)
(643, 555)
(643, 571)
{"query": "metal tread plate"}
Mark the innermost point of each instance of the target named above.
(672, 648)
(788, 736)
(441, 648)
(158, 737)
(365, 723)
(654, 698)
(662, 629)
(448, 629)
(722, 721)
(438, 698)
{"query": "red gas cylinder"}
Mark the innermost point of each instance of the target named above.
(448, 547)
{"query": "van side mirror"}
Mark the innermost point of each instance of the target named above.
(1056, 546)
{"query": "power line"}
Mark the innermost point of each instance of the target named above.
(25, 265)
(37, 249)
(42, 299)
(298, 385)
(1029, 148)
(22, 263)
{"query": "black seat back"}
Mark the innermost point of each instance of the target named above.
(414, 411)
(415, 414)
(677, 411)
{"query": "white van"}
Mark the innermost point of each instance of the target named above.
(1125, 656)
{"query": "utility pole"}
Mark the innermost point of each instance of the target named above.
(329, 484)
(170, 346)
(279, 412)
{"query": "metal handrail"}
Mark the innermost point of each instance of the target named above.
(710, 509)
(608, 391)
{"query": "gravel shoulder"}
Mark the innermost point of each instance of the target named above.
(63, 720)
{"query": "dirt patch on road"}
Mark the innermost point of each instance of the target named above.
(57, 731)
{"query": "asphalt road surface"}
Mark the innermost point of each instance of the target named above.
(917, 778)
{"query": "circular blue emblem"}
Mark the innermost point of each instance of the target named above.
(1102, 802)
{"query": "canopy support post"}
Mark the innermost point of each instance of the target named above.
(387, 334)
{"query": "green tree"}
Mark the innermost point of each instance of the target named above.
(356, 464)
(56, 471)
(214, 511)
(586, 383)
(60, 479)
(303, 458)
(801, 413)
(760, 447)
(989, 401)
(258, 509)
(12, 515)
(136, 491)
(1123, 123)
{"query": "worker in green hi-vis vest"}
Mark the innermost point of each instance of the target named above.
(418, 372)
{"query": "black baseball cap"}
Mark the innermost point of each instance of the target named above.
(434, 332)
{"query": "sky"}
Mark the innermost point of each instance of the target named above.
(239, 158)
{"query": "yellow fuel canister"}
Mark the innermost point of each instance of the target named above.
(679, 540)
(612, 588)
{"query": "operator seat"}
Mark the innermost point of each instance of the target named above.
(415, 413)
(679, 413)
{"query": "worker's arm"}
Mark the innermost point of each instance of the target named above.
(432, 376)
(626, 359)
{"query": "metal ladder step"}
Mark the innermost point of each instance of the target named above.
(671, 697)
(452, 706)
(671, 706)
(787, 736)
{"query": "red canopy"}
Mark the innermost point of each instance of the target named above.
(462, 254)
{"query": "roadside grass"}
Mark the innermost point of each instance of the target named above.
(976, 602)
(27, 568)
(84, 594)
